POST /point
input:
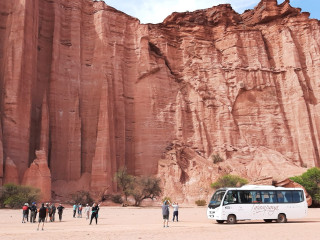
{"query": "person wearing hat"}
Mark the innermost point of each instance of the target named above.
(25, 212)
(60, 210)
(87, 211)
(33, 214)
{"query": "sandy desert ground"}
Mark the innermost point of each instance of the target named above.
(146, 223)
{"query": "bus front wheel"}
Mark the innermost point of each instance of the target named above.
(232, 219)
(220, 221)
(282, 218)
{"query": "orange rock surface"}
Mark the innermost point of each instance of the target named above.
(97, 90)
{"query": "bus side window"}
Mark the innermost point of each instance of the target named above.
(297, 196)
(273, 197)
(265, 197)
(288, 196)
(245, 196)
(280, 197)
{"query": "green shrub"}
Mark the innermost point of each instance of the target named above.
(229, 181)
(310, 180)
(201, 202)
(216, 158)
(125, 181)
(82, 197)
(15, 196)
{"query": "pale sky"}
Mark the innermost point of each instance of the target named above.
(155, 11)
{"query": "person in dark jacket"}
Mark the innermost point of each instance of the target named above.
(53, 212)
(42, 215)
(60, 211)
(94, 212)
(33, 214)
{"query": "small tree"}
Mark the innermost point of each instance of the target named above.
(82, 197)
(310, 180)
(15, 196)
(125, 181)
(145, 187)
(229, 181)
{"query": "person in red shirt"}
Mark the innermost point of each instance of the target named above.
(25, 212)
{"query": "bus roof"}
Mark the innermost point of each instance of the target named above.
(259, 187)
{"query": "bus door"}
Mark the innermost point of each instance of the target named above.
(245, 205)
(231, 204)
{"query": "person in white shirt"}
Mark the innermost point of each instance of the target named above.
(175, 211)
(87, 211)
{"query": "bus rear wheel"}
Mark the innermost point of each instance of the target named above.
(282, 218)
(231, 219)
(267, 220)
(220, 221)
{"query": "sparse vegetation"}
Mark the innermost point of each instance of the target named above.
(216, 158)
(145, 187)
(139, 188)
(125, 181)
(116, 198)
(166, 199)
(14, 196)
(201, 202)
(310, 180)
(82, 197)
(229, 181)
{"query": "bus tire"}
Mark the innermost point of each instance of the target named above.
(267, 220)
(220, 221)
(282, 218)
(232, 219)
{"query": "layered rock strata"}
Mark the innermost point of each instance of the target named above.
(96, 90)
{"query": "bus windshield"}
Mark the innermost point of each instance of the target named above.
(216, 199)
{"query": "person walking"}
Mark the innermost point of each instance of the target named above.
(50, 212)
(94, 212)
(60, 211)
(53, 212)
(87, 211)
(74, 210)
(42, 215)
(47, 211)
(165, 213)
(33, 214)
(79, 210)
(25, 210)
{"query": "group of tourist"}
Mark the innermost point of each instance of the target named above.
(48, 211)
(77, 210)
(165, 212)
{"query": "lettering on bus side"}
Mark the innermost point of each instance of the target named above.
(265, 209)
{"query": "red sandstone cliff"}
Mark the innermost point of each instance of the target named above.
(96, 90)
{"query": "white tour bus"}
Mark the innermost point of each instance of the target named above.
(254, 202)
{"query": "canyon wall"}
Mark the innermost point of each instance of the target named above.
(92, 90)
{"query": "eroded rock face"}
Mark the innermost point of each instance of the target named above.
(97, 90)
(38, 175)
(11, 172)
